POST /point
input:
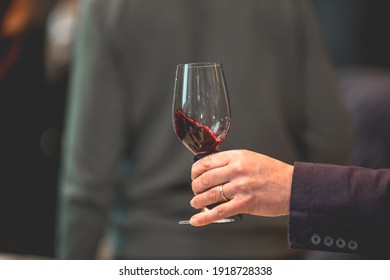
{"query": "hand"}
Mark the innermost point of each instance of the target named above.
(253, 183)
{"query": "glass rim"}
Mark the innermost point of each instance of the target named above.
(199, 64)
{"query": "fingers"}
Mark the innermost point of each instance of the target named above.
(254, 183)
(209, 162)
(210, 180)
(219, 212)
(210, 197)
(210, 171)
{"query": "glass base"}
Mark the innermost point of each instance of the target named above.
(222, 221)
(205, 209)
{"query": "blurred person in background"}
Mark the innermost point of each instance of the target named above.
(31, 128)
(124, 172)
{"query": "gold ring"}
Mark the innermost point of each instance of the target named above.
(221, 192)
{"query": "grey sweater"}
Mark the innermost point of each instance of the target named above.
(123, 167)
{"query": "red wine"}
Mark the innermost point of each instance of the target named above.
(195, 136)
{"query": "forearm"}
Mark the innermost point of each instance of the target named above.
(337, 208)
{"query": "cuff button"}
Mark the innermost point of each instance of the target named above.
(352, 245)
(315, 239)
(328, 241)
(340, 243)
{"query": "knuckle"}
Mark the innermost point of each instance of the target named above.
(241, 185)
(207, 161)
(221, 212)
(212, 196)
(194, 187)
(205, 179)
(237, 167)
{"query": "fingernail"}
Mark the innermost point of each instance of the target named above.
(192, 203)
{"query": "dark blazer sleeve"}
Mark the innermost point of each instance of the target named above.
(340, 209)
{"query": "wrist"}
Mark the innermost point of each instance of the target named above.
(288, 188)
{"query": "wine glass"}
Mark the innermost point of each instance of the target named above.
(201, 110)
